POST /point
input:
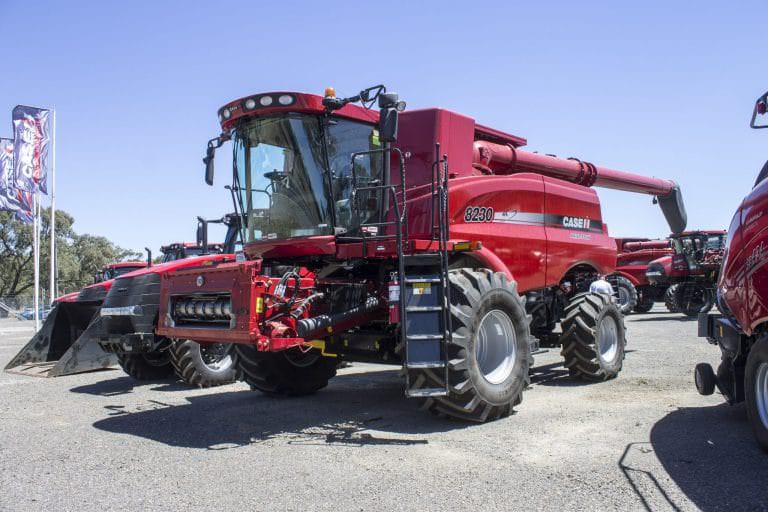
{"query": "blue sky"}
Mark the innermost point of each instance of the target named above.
(659, 88)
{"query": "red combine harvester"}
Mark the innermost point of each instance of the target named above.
(430, 241)
(741, 328)
(129, 317)
(60, 346)
(690, 272)
(635, 292)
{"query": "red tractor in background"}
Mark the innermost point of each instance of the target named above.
(428, 241)
(634, 291)
(68, 341)
(129, 317)
(741, 327)
(690, 272)
(56, 349)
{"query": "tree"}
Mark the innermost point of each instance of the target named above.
(78, 256)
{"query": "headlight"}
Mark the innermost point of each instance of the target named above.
(250, 103)
(285, 99)
(265, 101)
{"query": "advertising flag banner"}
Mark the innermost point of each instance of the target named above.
(31, 134)
(8, 193)
(25, 202)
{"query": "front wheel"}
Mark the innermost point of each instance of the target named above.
(489, 353)
(625, 292)
(756, 390)
(693, 298)
(149, 366)
(291, 372)
(594, 337)
(203, 365)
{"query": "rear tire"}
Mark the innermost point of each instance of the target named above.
(285, 373)
(693, 298)
(625, 292)
(644, 307)
(203, 366)
(489, 353)
(756, 390)
(670, 299)
(594, 337)
(151, 366)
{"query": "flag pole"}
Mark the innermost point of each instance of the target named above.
(54, 291)
(36, 250)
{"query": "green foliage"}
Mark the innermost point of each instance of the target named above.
(78, 256)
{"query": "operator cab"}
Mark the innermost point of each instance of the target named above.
(698, 246)
(307, 167)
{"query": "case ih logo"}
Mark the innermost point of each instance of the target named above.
(576, 223)
(756, 259)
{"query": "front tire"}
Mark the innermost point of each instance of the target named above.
(150, 366)
(756, 390)
(670, 299)
(489, 352)
(286, 373)
(594, 337)
(693, 298)
(626, 293)
(203, 366)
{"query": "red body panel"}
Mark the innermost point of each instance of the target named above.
(633, 265)
(743, 283)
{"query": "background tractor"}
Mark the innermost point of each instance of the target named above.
(428, 241)
(634, 291)
(129, 316)
(690, 272)
(68, 341)
(740, 330)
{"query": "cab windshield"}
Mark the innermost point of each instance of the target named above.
(293, 174)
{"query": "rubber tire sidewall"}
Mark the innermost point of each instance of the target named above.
(513, 385)
(208, 376)
(758, 354)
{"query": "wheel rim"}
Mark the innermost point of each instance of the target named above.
(623, 296)
(216, 356)
(496, 346)
(608, 339)
(761, 393)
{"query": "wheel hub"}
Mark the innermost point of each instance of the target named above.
(216, 356)
(496, 346)
(608, 339)
(623, 296)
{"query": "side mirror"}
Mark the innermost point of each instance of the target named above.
(149, 256)
(208, 160)
(202, 234)
(761, 109)
(390, 107)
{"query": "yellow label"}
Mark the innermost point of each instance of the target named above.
(422, 288)
(259, 304)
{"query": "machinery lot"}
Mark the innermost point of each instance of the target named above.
(645, 440)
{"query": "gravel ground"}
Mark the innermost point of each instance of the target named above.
(643, 441)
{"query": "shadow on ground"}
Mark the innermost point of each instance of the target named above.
(352, 411)
(711, 455)
(125, 385)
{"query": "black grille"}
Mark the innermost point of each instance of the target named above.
(142, 290)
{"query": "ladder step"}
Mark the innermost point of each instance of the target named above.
(425, 365)
(421, 309)
(421, 337)
(426, 392)
(427, 258)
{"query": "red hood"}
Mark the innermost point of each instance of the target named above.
(170, 266)
(72, 297)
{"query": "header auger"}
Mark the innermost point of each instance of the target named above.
(417, 238)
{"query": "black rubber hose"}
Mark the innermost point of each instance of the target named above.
(311, 327)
